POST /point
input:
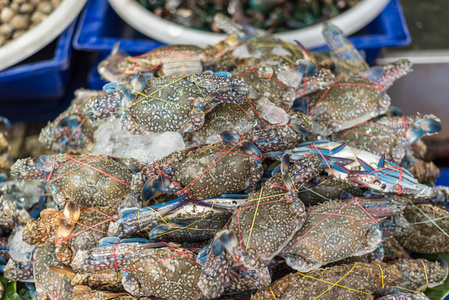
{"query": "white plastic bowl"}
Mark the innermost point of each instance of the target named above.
(168, 32)
(41, 35)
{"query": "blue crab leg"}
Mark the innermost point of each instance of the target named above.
(225, 240)
(134, 220)
(111, 86)
(223, 74)
(341, 49)
(298, 129)
(112, 253)
(284, 171)
(374, 73)
(385, 174)
(305, 67)
(45, 163)
(161, 229)
(138, 82)
(421, 127)
(72, 122)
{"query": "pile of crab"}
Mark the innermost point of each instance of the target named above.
(327, 202)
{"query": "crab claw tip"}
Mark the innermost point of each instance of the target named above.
(230, 138)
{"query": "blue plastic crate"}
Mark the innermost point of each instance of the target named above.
(38, 81)
(444, 177)
(101, 28)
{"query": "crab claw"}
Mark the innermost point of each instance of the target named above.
(250, 149)
(45, 163)
(111, 86)
(155, 185)
(230, 138)
(166, 228)
(421, 127)
(304, 51)
(285, 163)
(224, 240)
(128, 98)
(306, 67)
(298, 129)
(138, 82)
(65, 228)
(72, 210)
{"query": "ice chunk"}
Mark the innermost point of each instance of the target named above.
(242, 51)
(278, 50)
(111, 139)
(18, 249)
(271, 112)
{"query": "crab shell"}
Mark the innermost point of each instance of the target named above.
(255, 241)
(179, 60)
(76, 134)
(164, 273)
(347, 103)
(176, 104)
(325, 238)
(355, 281)
(281, 84)
(89, 180)
(204, 172)
(418, 275)
(426, 236)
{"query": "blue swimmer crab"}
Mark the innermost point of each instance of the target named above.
(355, 96)
(71, 130)
(179, 60)
(202, 172)
(336, 230)
(164, 270)
(263, 225)
(367, 170)
(250, 116)
(350, 281)
(167, 103)
(391, 136)
(404, 296)
(72, 230)
(417, 275)
(282, 84)
(89, 180)
(348, 102)
(429, 225)
(179, 220)
(160, 270)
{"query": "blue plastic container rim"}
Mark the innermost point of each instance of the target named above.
(60, 61)
(88, 35)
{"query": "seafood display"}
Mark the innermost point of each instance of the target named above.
(278, 15)
(294, 179)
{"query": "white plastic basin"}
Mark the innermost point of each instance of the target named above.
(168, 32)
(41, 35)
